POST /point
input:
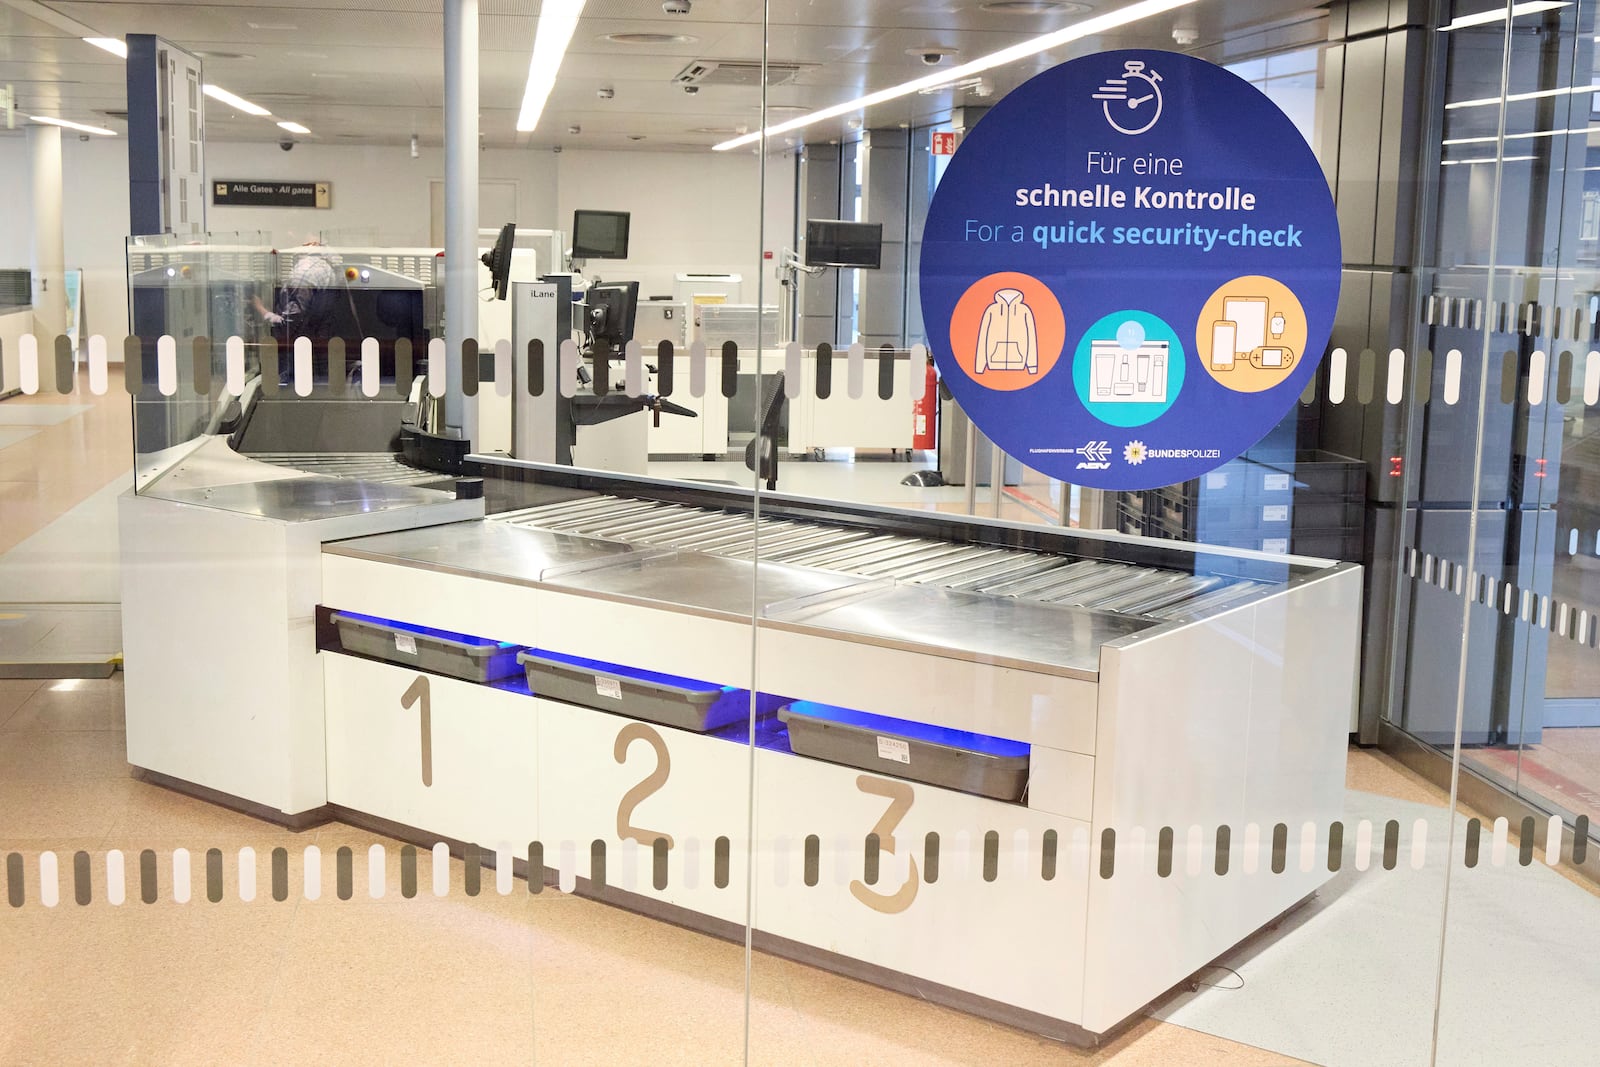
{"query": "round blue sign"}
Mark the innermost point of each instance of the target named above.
(1161, 228)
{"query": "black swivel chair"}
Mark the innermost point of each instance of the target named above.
(761, 454)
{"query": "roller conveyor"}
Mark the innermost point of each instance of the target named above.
(1121, 588)
(362, 466)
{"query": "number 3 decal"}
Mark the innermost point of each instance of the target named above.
(638, 731)
(900, 796)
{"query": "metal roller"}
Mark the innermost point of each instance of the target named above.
(954, 569)
(824, 557)
(1022, 565)
(933, 552)
(1095, 592)
(1059, 570)
(1185, 588)
(1069, 581)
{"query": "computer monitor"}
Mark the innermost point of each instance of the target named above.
(835, 243)
(608, 316)
(600, 234)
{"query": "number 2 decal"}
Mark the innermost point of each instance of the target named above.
(900, 796)
(638, 731)
(415, 693)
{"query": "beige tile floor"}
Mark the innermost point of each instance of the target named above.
(551, 978)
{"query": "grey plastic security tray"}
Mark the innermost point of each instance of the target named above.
(473, 659)
(687, 703)
(955, 759)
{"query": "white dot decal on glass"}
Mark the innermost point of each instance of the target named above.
(99, 365)
(302, 366)
(1363, 857)
(791, 369)
(783, 858)
(633, 368)
(961, 869)
(502, 871)
(372, 368)
(377, 872)
(568, 367)
(1591, 380)
(1497, 853)
(234, 381)
(1419, 844)
(1130, 851)
(1193, 852)
(1552, 840)
(28, 366)
(1397, 376)
(182, 882)
(1452, 376)
(1251, 853)
(312, 881)
(1572, 542)
(439, 366)
(1536, 373)
(1544, 612)
(247, 874)
(697, 368)
(1308, 846)
(691, 863)
(116, 879)
(1023, 861)
(567, 877)
(1337, 373)
(49, 880)
(1080, 852)
(857, 370)
(502, 367)
(166, 365)
(441, 869)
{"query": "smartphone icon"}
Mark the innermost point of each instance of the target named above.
(1224, 335)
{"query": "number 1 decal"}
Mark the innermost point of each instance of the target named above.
(418, 693)
(638, 731)
(900, 796)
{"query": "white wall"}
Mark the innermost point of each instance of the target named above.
(94, 220)
(692, 210)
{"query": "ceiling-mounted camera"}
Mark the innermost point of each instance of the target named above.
(676, 7)
(691, 89)
(286, 144)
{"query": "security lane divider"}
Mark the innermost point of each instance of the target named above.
(1259, 851)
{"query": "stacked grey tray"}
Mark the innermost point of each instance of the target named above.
(1103, 586)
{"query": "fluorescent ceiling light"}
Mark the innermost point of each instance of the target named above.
(557, 21)
(1521, 136)
(109, 44)
(293, 127)
(1483, 18)
(1489, 159)
(1032, 47)
(239, 103)
(1515, 97)
(72, 125)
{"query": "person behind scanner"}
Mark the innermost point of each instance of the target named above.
(303, 307)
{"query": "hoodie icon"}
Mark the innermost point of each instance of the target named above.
(1008, 338)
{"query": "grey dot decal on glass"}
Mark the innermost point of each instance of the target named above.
(719, 857)
(991, 855)
(658, 862)
(1474, 839)
(148, 887)
(930, 857)
(1047, 861)
(1164, 852)
(82, 882)
(214, 875)
(869, 866)
(472, 876)
(280, 874)
(1525, 842)
(1335, 846)
(1224, 841)
(344, 868)
(597, 863)
(1580, 837)
(812, 856)
(408, 872)
(1280, 847)
(16, 886)
(1108, 852)
(535, 867)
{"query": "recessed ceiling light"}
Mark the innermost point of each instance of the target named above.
(293, 127)
(649, 38)
(224, 55)
(72, 125)
(272, 25)
(115, 45)
(776, 108)
(720, 129)
(238, 103)
(558, 19)
(1033, 7)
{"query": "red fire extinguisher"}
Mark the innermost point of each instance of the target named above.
(924, 410)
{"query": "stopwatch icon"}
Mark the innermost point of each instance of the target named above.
(1132, 103)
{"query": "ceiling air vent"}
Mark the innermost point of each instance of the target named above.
(737, 72)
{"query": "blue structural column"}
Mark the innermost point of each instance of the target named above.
(144, 135)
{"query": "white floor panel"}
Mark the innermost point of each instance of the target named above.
(73, 560)
(1348, 979)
